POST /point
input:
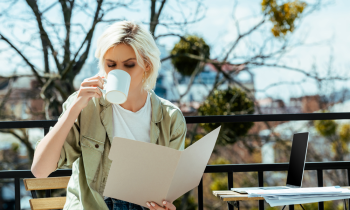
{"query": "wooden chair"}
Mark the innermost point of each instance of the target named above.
(46, 184)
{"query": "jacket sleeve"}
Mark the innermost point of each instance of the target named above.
(178, 137)
(71, 149)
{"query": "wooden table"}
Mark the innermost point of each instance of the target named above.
(233, 198)
(228, 195)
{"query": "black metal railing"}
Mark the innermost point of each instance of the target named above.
(229, 168)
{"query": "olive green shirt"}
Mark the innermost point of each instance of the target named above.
(88, 143)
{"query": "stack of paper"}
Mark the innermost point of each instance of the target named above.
(300, 195)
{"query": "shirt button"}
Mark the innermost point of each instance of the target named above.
(96, 145)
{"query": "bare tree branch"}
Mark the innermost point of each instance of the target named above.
(154, 19)
(45, 40)
(67, 15)
(24, 58)
(240, 36)
(78, 64)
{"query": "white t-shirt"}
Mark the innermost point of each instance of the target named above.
(133, 125)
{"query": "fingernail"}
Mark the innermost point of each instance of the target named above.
(152, 204)
(148, 204)
(164, 202)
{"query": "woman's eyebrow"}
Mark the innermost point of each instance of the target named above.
(129, 59)
(123, 61)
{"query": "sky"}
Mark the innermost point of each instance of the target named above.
(329, 26)
(325, 32)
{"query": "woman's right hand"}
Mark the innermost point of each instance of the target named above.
(87, 90)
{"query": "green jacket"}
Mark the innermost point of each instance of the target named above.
(88, 143)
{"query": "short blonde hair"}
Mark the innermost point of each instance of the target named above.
(140, 39)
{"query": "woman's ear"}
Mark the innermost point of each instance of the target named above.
(148, 67)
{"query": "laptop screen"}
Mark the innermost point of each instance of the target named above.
(297, 159)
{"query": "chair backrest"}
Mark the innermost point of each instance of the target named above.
(46, 184)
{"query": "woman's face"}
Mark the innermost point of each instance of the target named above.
(123, 57)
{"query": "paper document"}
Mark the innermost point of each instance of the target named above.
(142, 171)
(296, 191)
(244, 189)
(273, 203)
(300, 195)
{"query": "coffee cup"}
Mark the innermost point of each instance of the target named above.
(116, 86)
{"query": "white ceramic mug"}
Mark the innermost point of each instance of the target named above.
(116, 86)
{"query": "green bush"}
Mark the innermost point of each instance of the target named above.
(194, 45)
(232, 101)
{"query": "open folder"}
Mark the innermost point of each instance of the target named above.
(142, 171)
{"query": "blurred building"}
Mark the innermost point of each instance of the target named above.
(24, 102)
(304, 104)
(285, 130)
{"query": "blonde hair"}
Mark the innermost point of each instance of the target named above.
(140, 39)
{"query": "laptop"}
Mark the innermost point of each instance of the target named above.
(296, 165)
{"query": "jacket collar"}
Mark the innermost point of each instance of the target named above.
(157, 111)
(103, 101)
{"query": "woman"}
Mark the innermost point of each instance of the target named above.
(81, 139)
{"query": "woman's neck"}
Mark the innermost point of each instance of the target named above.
(135, 101)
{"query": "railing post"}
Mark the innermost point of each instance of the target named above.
(34, 195)
(230, 185)
(200, 195)
(348, 182)
(261, 184)
(320, 184)
(46, 130)
(17, 194)
(48, 193)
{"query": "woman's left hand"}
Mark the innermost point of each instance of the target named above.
(155, 206)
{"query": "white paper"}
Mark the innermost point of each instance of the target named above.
(296, 191)
(244, 189)
(273, 203)
(300, 195)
